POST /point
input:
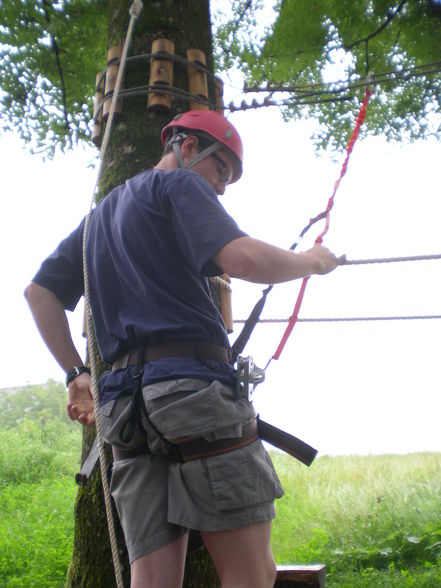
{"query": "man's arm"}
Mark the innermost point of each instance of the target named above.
(50, 318)
(256, 261)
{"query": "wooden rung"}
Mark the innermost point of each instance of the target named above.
(226, 307)
(197, 79)
(301, 576)
(219, 94)
(99, 93)
(113, 57)
(161, 76)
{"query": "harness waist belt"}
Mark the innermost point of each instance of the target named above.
(199, 351)
(197, 448)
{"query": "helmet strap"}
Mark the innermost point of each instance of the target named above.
(176, 146)
(203, 154)
(177, 152)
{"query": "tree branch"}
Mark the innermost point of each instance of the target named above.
(56, 50)
(241, 16)
(388, 20)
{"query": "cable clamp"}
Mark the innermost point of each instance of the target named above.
(248, 377)
(370, 81)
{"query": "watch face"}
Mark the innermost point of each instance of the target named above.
(74, 372)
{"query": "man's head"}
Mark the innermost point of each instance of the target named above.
(200, 134)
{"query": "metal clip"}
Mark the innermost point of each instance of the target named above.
(248, 376)
(370, 81)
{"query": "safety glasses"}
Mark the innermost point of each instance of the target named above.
(223, 170)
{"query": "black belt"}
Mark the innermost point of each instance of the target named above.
(197, 448)
(200, 351)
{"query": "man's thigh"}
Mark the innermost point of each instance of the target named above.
(139, 487)
(243, 557)
(162, 568)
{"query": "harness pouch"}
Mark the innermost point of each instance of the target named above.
(243, 478)
(189, 408)
(113, 418)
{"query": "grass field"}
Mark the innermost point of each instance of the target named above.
(375, 521)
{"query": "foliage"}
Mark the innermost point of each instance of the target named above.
(419, 577)
(50, 53)
(374, 520)
(39, 455)
(30, 453)
(36, 533)
(37, 439)
(43, 403)
(323, 49)
(361, 513)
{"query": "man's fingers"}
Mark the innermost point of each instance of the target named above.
(69, 412)
(85, 417)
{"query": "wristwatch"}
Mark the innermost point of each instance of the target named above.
(74, 372)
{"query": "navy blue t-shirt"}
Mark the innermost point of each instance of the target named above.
(149, 248)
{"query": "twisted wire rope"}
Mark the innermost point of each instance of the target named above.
(429, 257)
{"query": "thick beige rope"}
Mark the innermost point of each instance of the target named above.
(135, 11)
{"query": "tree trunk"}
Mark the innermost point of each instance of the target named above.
(134, 146)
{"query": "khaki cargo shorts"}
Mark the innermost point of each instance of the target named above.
(159, 499)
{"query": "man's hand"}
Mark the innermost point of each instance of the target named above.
(80, 407)
(256, 261)
(325, 261)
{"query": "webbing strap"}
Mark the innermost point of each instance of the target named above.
(293, 319)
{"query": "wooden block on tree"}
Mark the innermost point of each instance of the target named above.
(301, 576)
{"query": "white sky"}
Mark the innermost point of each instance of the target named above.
(343, 387)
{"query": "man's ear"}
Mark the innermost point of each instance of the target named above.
(189, 148)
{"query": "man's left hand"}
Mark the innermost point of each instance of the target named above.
(80, 406)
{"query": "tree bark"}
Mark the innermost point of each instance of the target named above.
(134, 146)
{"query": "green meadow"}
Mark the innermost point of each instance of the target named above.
(375, 521)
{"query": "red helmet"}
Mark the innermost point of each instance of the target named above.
(214, 124)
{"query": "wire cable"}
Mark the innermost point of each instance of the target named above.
(392, 259)
(365, 318)
(301, 95)
(417, 317)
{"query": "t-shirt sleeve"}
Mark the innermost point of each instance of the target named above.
(201, 224)
(62, 271)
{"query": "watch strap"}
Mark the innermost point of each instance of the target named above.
(75, 372)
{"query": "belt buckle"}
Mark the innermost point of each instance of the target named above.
(248, 377)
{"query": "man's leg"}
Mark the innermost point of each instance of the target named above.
(163, 568)
(242, 557)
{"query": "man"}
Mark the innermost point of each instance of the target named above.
(184, 442)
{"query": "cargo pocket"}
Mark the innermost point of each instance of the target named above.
(113, 417)
(106, 421)
(181, 409)
(243, 478)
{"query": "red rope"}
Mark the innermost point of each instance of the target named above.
(293, 319)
